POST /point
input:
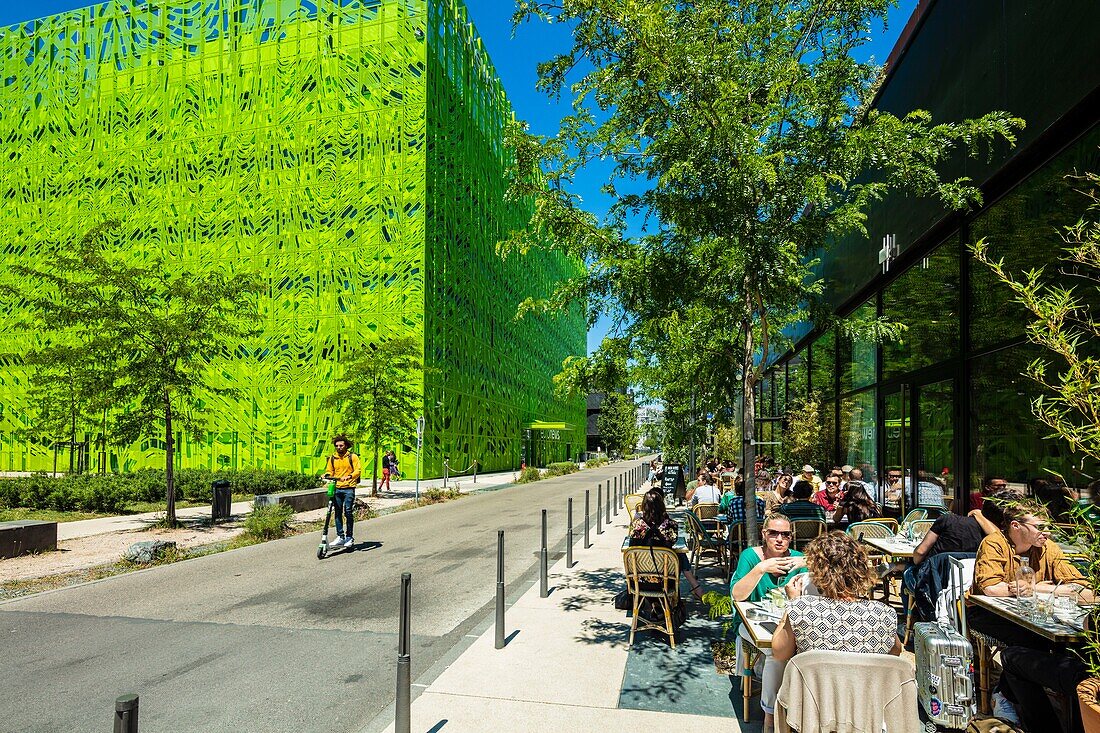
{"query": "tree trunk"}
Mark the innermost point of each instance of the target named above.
(169, 464)
(748, 433)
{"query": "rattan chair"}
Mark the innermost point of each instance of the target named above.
(653, 573)
(631, 502)
(806, 530)
(888, 521)
(915, 515)
(859, 530)
(706, 511)
(921, 526)
(702, 542)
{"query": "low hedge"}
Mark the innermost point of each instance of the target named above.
(562, 468)
(110, 493)
(529, 474)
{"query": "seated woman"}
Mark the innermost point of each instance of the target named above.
(841, 618)
(759, 570)
(857, 505)
(653, 526)
(783, 487)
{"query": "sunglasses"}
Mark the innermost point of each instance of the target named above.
(1039, 526)
(832, 483)
(777, 534)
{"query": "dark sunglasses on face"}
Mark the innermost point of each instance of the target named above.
(777, 534)
(832, 483)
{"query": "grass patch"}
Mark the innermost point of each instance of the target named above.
(44, 515)
(265, 523)
(529, 474)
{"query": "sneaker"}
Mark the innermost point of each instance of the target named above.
(338, 541)
(349, 542)
(1004, 709)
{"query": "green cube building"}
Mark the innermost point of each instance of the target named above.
(351, 152)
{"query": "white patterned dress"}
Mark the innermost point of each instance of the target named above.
(866, 627)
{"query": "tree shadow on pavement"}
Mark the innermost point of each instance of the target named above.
(588, 589)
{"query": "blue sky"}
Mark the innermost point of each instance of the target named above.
(515, 56)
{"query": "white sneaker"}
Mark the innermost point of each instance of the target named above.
(349, 542)
(338, 542)
(1004, 709)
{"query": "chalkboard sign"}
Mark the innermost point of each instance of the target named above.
(671, 478)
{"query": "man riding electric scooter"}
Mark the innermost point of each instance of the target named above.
(344, 466)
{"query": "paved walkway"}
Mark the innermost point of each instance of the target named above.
(400, 492)
(566, 666)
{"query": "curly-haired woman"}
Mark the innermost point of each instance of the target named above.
(841, 618)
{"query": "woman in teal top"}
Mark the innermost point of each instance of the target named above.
(760, 569)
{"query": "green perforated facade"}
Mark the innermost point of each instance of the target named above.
(349, 151)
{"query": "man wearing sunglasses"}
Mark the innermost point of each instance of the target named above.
(830, 496)
(759, 570)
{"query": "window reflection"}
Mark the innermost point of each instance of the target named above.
(926, 299)
(859, 433)
(858, 358)
(823, 364)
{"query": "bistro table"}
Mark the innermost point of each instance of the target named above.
(1011, 609)
(680, 545)
(753, 615)
(892, 546)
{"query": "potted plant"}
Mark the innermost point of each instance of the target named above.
(1063, 323)
(720, 605)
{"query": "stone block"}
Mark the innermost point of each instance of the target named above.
(299, 501)
(29, 535)
(147, 551)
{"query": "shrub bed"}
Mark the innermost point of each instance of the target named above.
(110, 493)
(528, 475)
(562, 468)
(596, 462)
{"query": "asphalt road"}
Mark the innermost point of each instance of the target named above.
(267, 638)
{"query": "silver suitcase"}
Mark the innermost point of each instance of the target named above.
(945, 667)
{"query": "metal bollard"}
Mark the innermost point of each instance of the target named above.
(403, 716)
(599, 508)
(607, 505)
(569, 534)
(544, 581)
(126, 714)
(500, 589)
(587, 520)
(616, 502)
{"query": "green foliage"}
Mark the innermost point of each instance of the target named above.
(561, 468)
(596, 462)
(804, 440)
(269, 522)
(112, 493)
(727, 442)
(1065, 325)
(529, 474)
(139, 340)
(743, 136)
(381, 394)
(617, 422)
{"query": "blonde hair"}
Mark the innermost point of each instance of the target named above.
(839, 566)
(771, 517)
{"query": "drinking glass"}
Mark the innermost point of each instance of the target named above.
(1025, 588)
(1044, 607)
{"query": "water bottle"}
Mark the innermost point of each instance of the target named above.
(909, 533)
(1025, 586)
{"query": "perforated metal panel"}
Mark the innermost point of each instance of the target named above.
(345, 150)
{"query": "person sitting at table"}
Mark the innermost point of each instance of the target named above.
(841, 617)
(759, 571)
(856, 505)
(783, 487)
(733, 505)
(829, 497)
(810, 475)
(705, 492)
(801, 507)
(653, 526)
(990, 485)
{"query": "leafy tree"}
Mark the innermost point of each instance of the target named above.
(147, 336)
(742, 137)
(381, 398)
(617, 422)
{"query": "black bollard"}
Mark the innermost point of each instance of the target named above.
(616, 502)
(569, 534)
(544, 581)
(500, 589)
(126, 714)
(403, 716)
(599, 508)
(607, 505)
(587, 520)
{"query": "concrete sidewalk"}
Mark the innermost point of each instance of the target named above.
(400, 492)
(563, 667)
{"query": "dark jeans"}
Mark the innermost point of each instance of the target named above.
(345, 506)
(1003, 630)
(1027, 671)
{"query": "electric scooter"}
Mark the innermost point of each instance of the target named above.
(322, 549)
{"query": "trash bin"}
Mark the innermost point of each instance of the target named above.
(223, 499)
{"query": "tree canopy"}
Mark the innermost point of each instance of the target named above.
(743, 139)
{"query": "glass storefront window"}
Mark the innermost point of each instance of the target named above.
(858, 357)
(926, 299)
(1006, 440)
(797, 381)
(823, 364)
(859, 433)
(1024, 228)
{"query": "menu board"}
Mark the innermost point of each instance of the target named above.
(671, 478)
